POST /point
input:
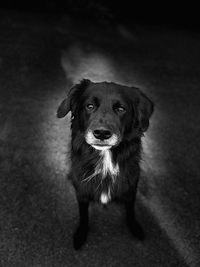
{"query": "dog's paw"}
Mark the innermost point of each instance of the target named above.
(136, 230)
(79, 238)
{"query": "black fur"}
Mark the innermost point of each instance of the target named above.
(129, 125)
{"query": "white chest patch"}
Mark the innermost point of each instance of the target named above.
(106, 166)
(105, 197)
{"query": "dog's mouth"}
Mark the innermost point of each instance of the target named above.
(101, 144)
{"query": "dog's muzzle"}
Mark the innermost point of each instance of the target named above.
(101, 138)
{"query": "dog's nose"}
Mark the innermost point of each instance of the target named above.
(102, 134)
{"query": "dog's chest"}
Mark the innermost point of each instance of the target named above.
(108, 171)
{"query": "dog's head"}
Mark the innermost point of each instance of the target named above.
(107, 113)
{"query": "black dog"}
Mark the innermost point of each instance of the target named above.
(108, 121)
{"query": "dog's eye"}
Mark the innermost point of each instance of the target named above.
(89, 106)
(120, 109)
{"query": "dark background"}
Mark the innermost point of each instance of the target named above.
(178, 14)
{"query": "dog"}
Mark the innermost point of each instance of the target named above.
(107, 123)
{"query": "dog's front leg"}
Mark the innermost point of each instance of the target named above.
(80, 235)
(132, 223)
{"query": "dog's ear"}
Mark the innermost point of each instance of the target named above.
(64, 107)
(70, 102)
(144, 107)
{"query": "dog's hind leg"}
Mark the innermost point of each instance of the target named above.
(81, 232)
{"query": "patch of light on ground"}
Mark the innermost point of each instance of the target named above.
(79, 64)
(153, 158)
(56, 136)
(151, 163)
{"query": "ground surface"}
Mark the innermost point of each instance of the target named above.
(40, 57)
